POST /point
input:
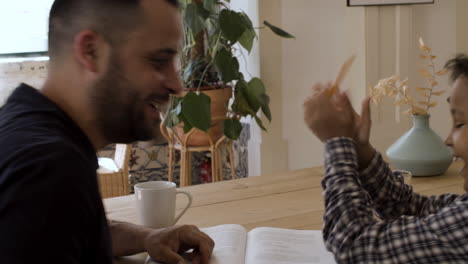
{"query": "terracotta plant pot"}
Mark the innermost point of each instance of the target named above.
(219, 107)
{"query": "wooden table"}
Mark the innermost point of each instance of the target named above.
(287, 200)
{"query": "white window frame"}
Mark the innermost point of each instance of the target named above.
(24, 26)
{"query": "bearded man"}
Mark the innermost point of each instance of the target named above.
(112, 68)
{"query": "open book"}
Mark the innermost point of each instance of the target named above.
(266, 245)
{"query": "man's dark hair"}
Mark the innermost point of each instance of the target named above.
(112, 19)
(458, 66)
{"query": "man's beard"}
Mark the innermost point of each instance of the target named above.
(119, 109)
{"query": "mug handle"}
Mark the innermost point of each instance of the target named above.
(189, 196)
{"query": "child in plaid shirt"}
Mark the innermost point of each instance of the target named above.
(358, 182)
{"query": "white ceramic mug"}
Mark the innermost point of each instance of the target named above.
(156, 203)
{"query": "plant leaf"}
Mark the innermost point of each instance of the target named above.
(438, 92)
(183, 3)
(404, 82)
(174, 114)
(187, 126)
(426, 96)
(232, 128)
(232, 25)
(255, 89)
(195, 65)
(407, 112)
(266, 106)
(421, 42)
(210, 5)
(196, 110)
(405, 89)
(423, 46)
(409, 98)
(240, 105)
(442, 72)
(227, 65)
(256, 96)
(171, 118)
(432, 104)
(260, 123)
(194, 20)
(417, 108)
(247, 39)
(202, 12)
(419, 111)
(278, 31)
(422, 91)
(425, 73)
(247, 22)
(392, 93)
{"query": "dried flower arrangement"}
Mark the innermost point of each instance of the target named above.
(398, 89)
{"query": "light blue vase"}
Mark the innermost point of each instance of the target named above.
(420, 150)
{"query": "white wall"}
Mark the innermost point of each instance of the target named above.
(250, 67)
(320, 28)
(316, 54)
(327, 32)
(437, 25)
(396, 42)
(274, 148)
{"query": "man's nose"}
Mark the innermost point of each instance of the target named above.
(174, 82)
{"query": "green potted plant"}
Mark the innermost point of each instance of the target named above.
(211, 75)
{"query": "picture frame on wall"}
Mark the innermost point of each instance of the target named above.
(387, 2)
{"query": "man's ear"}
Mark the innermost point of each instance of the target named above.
(88, 50)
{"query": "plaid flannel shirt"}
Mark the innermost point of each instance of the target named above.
(413, 228)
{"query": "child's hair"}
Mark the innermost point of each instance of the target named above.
(458, 66)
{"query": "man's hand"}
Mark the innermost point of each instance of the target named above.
(165, 246)
(329, 116)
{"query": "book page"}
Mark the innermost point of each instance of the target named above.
(267, 245)
(230, 242)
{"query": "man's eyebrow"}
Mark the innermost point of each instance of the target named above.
(448, 99)
(165, 51)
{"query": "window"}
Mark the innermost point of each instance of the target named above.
(24, 26)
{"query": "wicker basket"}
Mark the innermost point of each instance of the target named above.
(116, 183)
